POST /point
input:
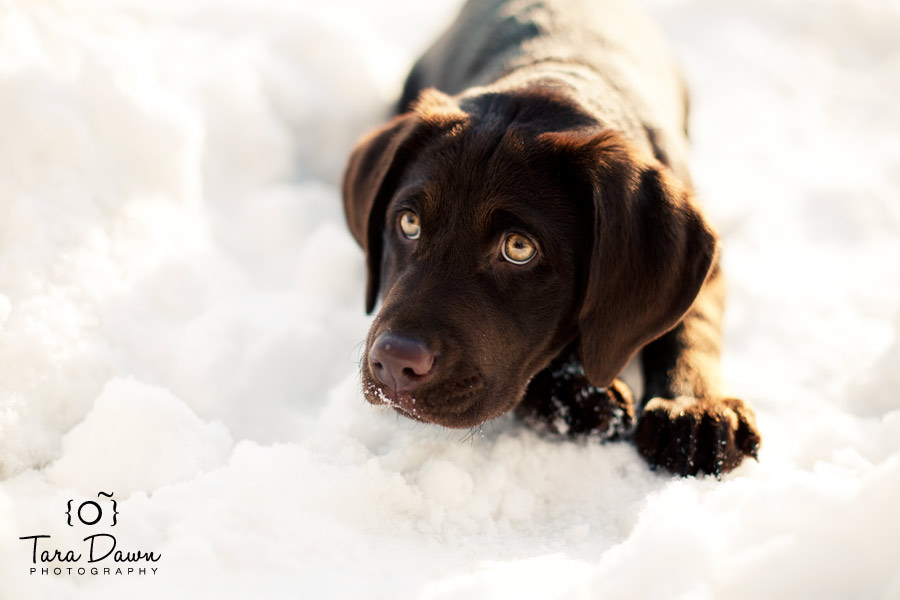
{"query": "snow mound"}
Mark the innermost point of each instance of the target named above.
(138, 437)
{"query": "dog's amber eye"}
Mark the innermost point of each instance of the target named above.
(409, 225)
(518, 249)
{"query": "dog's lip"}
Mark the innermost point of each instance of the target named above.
(452, 410)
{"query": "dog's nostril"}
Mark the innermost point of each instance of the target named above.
(412, 374)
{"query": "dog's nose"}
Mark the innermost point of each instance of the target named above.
(400, 362)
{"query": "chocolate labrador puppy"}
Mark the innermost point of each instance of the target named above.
(529, 224)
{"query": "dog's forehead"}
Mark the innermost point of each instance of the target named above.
(472, 173)
(487, 146)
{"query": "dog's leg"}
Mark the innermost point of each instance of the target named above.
(561, 400)
(687, 425)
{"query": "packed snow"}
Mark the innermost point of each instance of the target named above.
(181, 320)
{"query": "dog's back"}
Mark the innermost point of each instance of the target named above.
(612, 57)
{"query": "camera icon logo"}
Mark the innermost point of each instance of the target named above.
(90, 512)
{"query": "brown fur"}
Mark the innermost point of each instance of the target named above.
(568, 152)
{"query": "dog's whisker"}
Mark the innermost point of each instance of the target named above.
(469, 437)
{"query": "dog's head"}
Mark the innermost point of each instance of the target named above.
(501, 228)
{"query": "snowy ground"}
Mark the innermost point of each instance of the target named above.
(181, 319)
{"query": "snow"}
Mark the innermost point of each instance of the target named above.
(134, 416)
(181, 319)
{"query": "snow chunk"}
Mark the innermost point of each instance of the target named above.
(138, 437)
(518, 505)
(445, 482)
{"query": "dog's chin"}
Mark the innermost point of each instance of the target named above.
(468, 418)
(464, 407)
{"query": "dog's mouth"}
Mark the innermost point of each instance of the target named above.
(456, 404)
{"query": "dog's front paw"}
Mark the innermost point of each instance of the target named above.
(689, 435)
(562, 401)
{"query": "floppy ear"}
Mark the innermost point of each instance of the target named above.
(651, 253)
(367, 190)
(374, 169)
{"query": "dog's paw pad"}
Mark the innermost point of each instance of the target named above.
(689, 436)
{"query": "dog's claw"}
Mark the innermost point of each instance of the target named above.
(689, 436)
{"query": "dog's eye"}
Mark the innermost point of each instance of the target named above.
(409, 225)
(518, 249)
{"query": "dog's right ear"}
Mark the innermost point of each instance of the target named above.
(369, 182)
(375, 167)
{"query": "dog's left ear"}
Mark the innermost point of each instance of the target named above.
(651, 253)
(374, 170)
